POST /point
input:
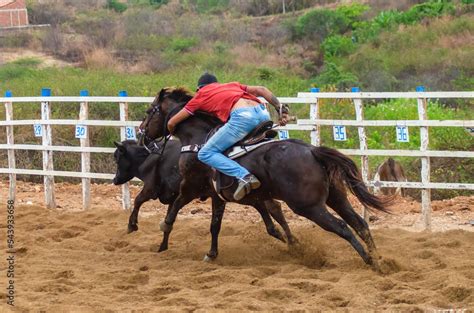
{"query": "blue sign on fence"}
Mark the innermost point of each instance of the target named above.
(38, 129)
(339, 133)
(81, 131)
(283, 134)
(402, 134)
(130, 133)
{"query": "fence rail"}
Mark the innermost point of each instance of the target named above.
(312, 124)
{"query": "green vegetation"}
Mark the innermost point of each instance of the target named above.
(117, 6)
(375, 55)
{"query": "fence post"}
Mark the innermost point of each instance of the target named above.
(364, 159)
(85, 156)
(425, 161)
(314, 115)
(47, 154)
(11, 152)
(126, 203)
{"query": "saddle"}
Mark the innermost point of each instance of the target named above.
(261, 135)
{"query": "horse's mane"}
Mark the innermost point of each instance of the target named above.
(178, 94)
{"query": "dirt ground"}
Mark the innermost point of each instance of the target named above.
(68, 259)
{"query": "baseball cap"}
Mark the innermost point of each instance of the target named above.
(206, 79)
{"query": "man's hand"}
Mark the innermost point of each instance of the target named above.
(283, 120)
(171, 128)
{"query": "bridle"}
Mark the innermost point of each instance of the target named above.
(142, 132)
(166, 137)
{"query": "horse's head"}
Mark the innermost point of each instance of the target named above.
(124, 163)
(166, 104)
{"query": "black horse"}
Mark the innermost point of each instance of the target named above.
(161, 178)
(305, 177)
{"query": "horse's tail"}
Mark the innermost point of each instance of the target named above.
(340, 168)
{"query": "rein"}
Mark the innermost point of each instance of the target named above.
(165, 126)
(166, 137)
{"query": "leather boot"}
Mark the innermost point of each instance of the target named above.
(246, 185)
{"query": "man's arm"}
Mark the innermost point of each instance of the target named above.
(178, 118)
(260, 91)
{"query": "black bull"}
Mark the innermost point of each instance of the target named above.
(307, 178)
(161, 178)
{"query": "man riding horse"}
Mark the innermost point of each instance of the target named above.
(238, 107)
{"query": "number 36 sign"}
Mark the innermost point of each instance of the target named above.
(402, 134)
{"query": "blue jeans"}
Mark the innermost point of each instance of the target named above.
(242, 121)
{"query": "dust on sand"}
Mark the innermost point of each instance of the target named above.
(69, 259)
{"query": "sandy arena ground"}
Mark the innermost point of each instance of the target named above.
(71, 260)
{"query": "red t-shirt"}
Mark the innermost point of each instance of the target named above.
(218, 99)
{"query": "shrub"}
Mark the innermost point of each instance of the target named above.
(53, 40)
(182, 44)
(47, 13)
(220, 47)
(100, 28)
(28, 62)
(337, 45)
(318, 24)
(100, 59)
(116, 6)
(158, 2)
(265, 7)
(211, 6)
(142, 42)
(333, 74)
(385, 20)
(16, 40)
(417, 54)
(265, 73)
(352, 13)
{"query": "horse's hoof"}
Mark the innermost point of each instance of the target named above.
(292, 241)
(278, 235)
(162, 248)
(166, 228)
(132, 228)
(208, 258)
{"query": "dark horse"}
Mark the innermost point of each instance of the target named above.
(161, 178)
(306, 177)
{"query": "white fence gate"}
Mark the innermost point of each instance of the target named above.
(42, 127)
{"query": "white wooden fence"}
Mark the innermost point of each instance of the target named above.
(312, 124)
